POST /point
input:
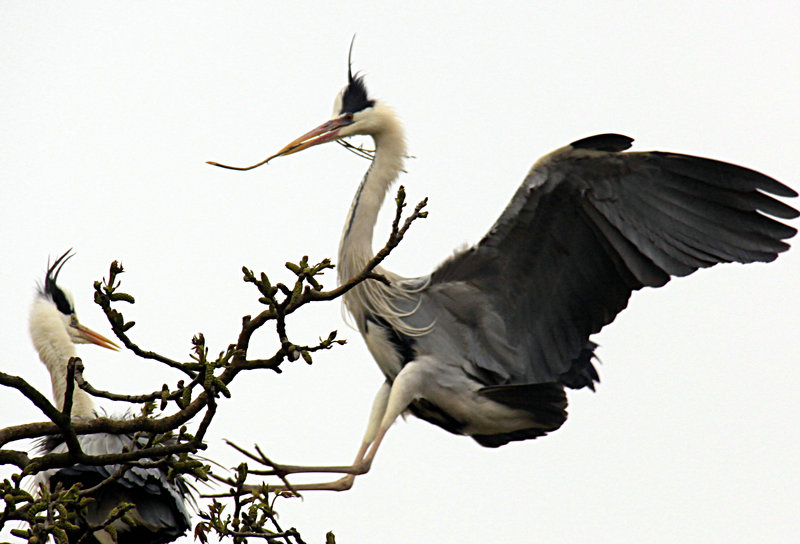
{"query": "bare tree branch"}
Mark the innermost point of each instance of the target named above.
(165, 440)
(32, 394)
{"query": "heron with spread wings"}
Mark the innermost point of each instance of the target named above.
(486, 345)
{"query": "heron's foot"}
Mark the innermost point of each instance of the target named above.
(359, 467)
(287, 489)
(344, 483)
(293, 490)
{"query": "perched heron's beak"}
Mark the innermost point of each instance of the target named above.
(326, 132)
(91, 337)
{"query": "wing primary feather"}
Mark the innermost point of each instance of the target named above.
(710, 226)
(706, 209)
(750, 200)
(719, 173)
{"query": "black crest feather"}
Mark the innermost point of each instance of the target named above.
(354, 96)
(52, 290)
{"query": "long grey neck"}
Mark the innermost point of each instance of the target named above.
(355, 249)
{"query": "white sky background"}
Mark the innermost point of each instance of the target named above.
(110, 110)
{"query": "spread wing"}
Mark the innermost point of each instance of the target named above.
(591, 224)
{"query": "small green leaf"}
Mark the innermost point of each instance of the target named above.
(60, 535)
(125, 297)
(111, 530)
(186, 398)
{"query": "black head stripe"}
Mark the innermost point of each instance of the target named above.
(52, 290)
(354, 96)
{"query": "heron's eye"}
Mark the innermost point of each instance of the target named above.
(348, 117)
(73, 321)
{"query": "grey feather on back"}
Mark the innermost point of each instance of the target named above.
(589, 226)
(160, 504)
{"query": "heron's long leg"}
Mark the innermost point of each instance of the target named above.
(375, 417)
(388, 405)
(361, 466)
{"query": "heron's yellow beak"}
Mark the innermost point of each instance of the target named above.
(91, 337)
(326, 132)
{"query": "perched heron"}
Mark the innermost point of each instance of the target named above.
(160, 510)
(486, 344)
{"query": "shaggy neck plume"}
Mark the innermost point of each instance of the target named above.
(355, 249)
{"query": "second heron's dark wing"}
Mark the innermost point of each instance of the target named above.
(589, 225)
(160, 504)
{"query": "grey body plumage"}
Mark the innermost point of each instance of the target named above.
(160, 505)
(487, 343)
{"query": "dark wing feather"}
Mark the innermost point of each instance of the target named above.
(160, 504)
(546, 401)
(591, 224)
